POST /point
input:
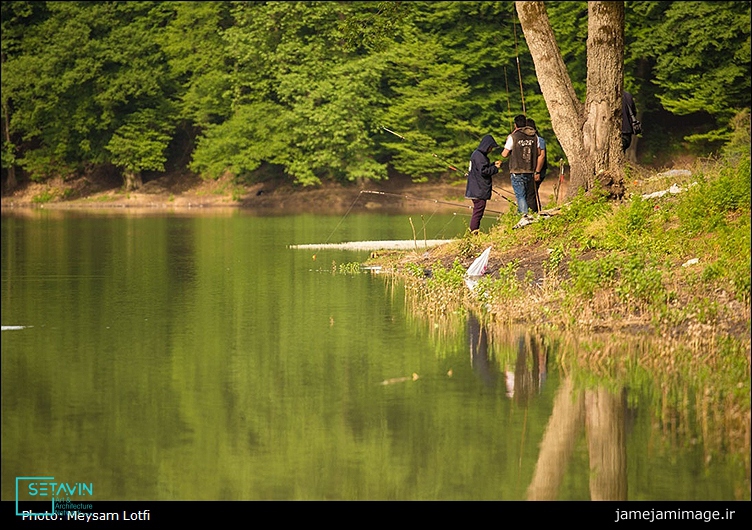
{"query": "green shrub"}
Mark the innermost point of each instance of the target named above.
(589, 276)
(443, 277)
(489, 290)
(414, 270)
(45, 196)
(636, 215)
(712, 272)
(704, 206)
(639, 280)
(551, 265)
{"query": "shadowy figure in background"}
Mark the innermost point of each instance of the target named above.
(630, 126)
(480, 179)
(533, 197)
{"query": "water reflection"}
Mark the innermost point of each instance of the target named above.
(478, 337)
(530, 369)
(602, 413)
(587, 406)
(523, 380)
(200, 358)
(599, 412)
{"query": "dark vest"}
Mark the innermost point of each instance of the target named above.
(524, 154)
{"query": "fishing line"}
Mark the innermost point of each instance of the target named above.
(437, 157)
(340, 221)
(454, 168)
(425, 223)
(441, 231)
(519, 74)
(413, 198)
(408, 197)
(509, 104)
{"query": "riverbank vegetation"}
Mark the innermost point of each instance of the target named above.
(671, 260)
(652, 291)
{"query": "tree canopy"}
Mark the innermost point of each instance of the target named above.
(306, 88)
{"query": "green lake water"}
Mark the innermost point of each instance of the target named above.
(198, 357)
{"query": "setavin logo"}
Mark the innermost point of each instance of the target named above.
(31, 489)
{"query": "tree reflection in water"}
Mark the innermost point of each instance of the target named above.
(600, 411)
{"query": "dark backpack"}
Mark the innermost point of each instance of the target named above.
(636, 125)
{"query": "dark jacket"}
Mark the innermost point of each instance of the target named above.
(523, 158)
(481, 170)
(628, 110)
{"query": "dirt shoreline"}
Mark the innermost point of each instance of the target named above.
(397, 194)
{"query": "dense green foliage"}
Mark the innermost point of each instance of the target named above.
(305, 88)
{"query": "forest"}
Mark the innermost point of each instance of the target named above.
(315, 91)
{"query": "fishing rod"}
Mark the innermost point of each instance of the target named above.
(504, 196)
(413, 198)
(519, 74)
(437, 157)
(522, 97)
(385, 193)
(394, 133)
(451, 166)
(509, 105)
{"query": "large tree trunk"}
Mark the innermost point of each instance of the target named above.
(132, 180)
(589, 133)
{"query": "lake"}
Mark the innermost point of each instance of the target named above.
(196, 356)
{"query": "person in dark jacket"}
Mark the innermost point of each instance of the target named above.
(479, 179)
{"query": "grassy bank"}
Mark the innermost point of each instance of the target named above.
(669, 264)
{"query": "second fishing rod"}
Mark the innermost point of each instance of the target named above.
(450, 166)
